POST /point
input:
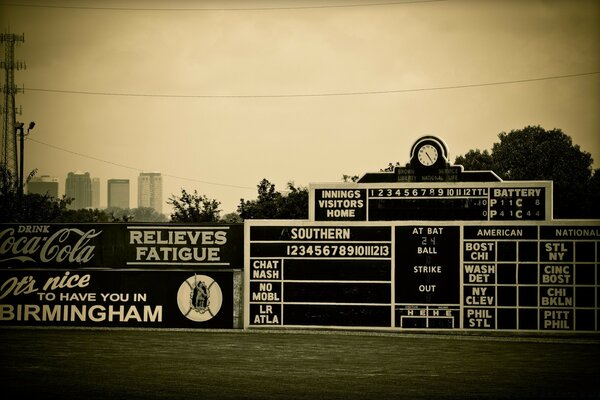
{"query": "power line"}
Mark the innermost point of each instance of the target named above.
(137, 169)
(391, 3)
(332, 94)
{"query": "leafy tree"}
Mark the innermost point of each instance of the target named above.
(119, 214)
(147, 214)
(140, 214)
(83, 215)
(15, 206)
(232, 218)
(533, 153)
(271, 204)
(265, 206)
(295, 204)
(476, 160)
(350, 178)
(193, 207)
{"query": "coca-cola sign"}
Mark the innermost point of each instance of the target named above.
(121, 245)
(38, 244)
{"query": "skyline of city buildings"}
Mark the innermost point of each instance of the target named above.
(87, 190)
(117, 193)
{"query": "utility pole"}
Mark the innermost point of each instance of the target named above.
(8, 140)
(22, 134)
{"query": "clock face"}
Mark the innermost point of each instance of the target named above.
(428, 155)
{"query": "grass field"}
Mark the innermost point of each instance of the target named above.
(155, 364)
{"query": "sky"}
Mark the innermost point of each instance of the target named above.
(217, 95)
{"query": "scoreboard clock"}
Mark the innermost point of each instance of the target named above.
(429, 153)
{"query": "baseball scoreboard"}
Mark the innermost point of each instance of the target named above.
(459, 201)
(431, 275)
(425, 246)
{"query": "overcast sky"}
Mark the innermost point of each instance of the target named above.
(217, 95)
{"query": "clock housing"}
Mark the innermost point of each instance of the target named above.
(429, 152)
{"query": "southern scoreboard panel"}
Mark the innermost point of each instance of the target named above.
(457, 201)
(310, 275)
(429, 275)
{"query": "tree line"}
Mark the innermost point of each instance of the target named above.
(531, 153)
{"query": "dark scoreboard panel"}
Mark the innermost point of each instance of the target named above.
(442, 275)
(320, 276)
(427, 269)
(492, 201)
(537, 278)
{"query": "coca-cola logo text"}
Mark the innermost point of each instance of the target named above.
(71, 245)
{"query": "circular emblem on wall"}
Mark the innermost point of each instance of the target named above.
(199, 298)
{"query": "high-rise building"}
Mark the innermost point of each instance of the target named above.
(95, 192)
(118, 193)
(79, 187)
(44, 185)
(150, 190)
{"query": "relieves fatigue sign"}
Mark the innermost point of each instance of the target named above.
(120, 246)
(450, 275)
(472, 201)
(108, 298)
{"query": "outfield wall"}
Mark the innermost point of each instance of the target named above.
(401, 275)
